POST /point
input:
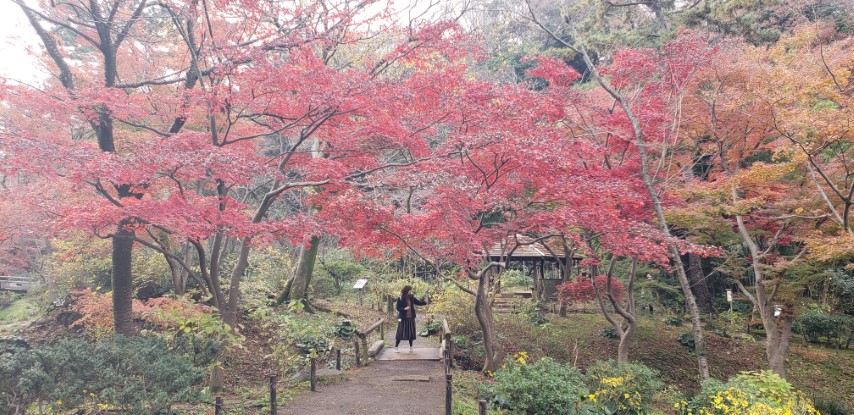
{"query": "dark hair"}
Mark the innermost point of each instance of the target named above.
(405, 291)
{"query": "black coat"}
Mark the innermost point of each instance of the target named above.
(401, 305)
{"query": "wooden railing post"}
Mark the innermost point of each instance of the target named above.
(448, 391)
(273, 408)
(218, 406)
(364, 338)
(481, 407)
(338, 359)
(449, 343)
(313, 374)
(358, 355)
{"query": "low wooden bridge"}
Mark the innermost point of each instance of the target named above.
(12, 283)
(416, 381)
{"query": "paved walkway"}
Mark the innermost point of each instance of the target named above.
(373, 389)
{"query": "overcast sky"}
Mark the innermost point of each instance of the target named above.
(16, 36)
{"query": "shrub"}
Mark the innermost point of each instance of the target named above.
(673, 321)
(625, 389)
(458, 308)
(545, 387)
(833, 328)
(608, 333)
(516, 278)
(330, 276)
(533, 311)
(830, 407)
(749, 393)
(687, 340)
(137, 375)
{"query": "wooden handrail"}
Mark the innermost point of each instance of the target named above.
(363, 338)
(375, 326)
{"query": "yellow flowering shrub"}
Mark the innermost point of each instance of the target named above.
(625, 389)
(750, 393)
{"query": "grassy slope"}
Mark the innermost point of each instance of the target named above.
(20, 312)
(818, 371)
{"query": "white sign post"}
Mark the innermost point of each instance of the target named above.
(359, 285)
(729, 300)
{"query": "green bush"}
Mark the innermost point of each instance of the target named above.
(514, 278)
(673, 321)
(533, 311)
(832, 328)
(345, 329)
(545, 387)
(687, 340)
(830, 407)
(330, 276)
(458, 308)
(137, 375)
(608, 333)
(323, 285)
(626, 389)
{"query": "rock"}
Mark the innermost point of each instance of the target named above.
(217, 379)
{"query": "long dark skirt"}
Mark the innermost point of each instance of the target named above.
(405, 329)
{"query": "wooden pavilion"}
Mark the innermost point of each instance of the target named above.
(535, 259)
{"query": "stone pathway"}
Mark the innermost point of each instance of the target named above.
(395, 383)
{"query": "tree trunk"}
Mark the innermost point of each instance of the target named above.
(305, 267)
(776, 351)
(229, 316)
(698, 282)
(623, 347)
(122, 279)
(649, 183)
(493, 349)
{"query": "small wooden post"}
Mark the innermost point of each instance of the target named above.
(448, 391)
(390, 307)
(481, 407)
(273, 409)
(313, 374)
(218, 406)
(338, 359)
(358, 355)
(364, 338)
(450, 345)
(382, 331)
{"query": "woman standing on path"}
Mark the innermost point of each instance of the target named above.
(406, 316)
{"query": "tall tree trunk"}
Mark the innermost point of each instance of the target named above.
(122, 279)
(625, 328)
(778, 330)
(305, 267)
(483, 311)
(777, 353)
(229, 316)
(698, 282)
